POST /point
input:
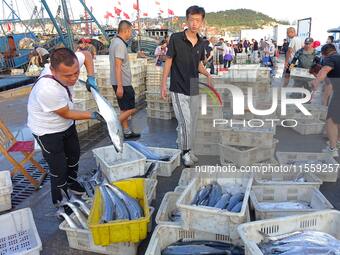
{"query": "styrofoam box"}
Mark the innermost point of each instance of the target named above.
(243, 73)
(160, 106)
(327, 171)
(163, 115)
(118, 166)
(164, 235)
(243, 136)
(150, 187)
(167, 167)
(301, 73)
(246, 157)
(287, 193)
(309, 127)
(167, 206)
(207, 149)
(19, 234)
(327, 221)
(282, 178)
(209, 219)
(6, 190)
(81, 239)
(207, 137)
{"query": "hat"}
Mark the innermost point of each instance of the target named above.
(309, 40)
(316, 44)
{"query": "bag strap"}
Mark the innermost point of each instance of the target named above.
(53, 78)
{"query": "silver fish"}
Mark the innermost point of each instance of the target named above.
(122, 213)
(234, 200)
(223, 202)
(68, 219)
(215, 194)
(237, 208)
(82, 205)
(132, 205)
(80, 216)
(113, 124)
(108, 206)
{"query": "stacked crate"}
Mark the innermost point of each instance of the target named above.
(138, 72)
(157, 107)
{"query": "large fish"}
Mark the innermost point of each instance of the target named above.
(122, 213)
(113, 124)
(108, 207)
(83, 207)
(202, 196)
(68, 219)
(80, 216)
(299, 205)
(215, 194)
(132, 205)
(223, 202)
(202, 248)
(234, 200)
(149, 154)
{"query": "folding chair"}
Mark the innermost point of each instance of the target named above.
(8, 144)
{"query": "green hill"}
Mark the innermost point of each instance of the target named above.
(240, 18)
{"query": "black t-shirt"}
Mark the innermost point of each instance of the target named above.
(333, 61)
(185, 62)
(256, 46)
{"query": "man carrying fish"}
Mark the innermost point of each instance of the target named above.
(52, 120)
(184, 60)
(120, 75)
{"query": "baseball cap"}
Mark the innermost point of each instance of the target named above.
(309, 40)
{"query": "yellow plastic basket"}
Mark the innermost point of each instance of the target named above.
(120, 231)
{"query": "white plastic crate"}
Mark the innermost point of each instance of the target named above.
(309, 127)
(282, 178)
(186, 176)
(286, 193)
(150, 187)
(207, 137)
(167, 206)
(6, 190)
(327, 221)
(160, 106)
(321, 164)
(163, 115)
(81, 239)
(207, 149)
(118, 166)
(243, 73)
(167, 167)
(252, 137)
(164, 235)
(179, 189)
(301, 73)
(19, 234)
(248, 156)
(209, 219)
(156, 88)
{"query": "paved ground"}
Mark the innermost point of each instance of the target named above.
(154, 133)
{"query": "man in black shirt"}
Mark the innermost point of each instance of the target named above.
(185, 55)
(255, 52)
(331, 70)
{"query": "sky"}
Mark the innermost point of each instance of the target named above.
(324, 16)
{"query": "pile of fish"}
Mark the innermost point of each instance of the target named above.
(211, 195)
(271, 206)
(90, 181)
(79, 208)
(305, 242)
(202, 248)
(118, 205)
(149, 154)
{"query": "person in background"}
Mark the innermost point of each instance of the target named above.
(221, 49)
(43, 55)
(330, 39)
(121, 77)
(51, 118)
(85, 44)
(304, 56)
(246, 45)
(160, 53)
(262, 45)
(210, 52)
(185, 55)
(255, 50)
(229, 56)
(331, 69)
(240, 46)
(285, 46)
(294, 45)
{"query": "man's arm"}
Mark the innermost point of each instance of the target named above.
(166, 72)
(119, 76)
(88, 63)
(321, 76)
(288, 55)
(66, 113)
(203, 70)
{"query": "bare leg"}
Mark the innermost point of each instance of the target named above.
(327, 94)
(124, 116)
(332, 132)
